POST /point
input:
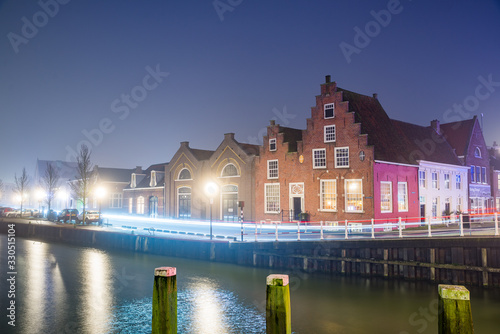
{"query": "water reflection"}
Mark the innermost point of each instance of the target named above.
(36, 267)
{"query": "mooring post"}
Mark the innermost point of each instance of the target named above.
(255, 231)
(454, 311)
(276, 231)
(298, 231)
(278, 310)
(429, 234)
(373, 229)
(400, 228)
(321, 229)
(165, 300)
(496, 223)
(461, 225)
(346, 233)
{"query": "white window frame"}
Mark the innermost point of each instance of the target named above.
(325, 134)
(272, 142)
(447, 182)
(317, 160)
(483, 175)
(422, 181)
(179, 175)
(472, 173)
(130, 205)
(337, 150)
(477, 153)
(478, 175)
(458, 181)
(269, 169)
(140, 205)
(324, 110)
(385, 183)
(226, 166)
(434, 182)
(347, 195)
(403, 197)
(267, 186)
(116, 197)
(325, 196)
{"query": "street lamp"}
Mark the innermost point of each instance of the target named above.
(211, 190)
(100, 192)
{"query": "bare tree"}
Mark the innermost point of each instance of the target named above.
(21, 187)
(82, 186)
(50, 182)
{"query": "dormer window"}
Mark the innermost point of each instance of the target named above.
(477, 152)
(152, 182)
(133, 181)
(330, 110)
(272, 144)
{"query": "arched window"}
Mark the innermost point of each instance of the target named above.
(477, 152)
(185, 174)
(184, 202)
(229, 170)
(140, 205)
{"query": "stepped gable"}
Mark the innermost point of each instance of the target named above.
(390, 144)
(427, 144)
(458, 134)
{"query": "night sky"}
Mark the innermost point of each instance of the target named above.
(88, 66)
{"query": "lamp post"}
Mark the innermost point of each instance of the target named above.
(211, 190)
(100, 192)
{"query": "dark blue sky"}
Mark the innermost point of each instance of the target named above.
(233, 75)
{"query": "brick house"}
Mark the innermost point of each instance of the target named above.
(466, 137)
(495, 175)
(145, 194)
(328, 169)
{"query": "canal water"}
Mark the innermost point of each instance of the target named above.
(62, 288)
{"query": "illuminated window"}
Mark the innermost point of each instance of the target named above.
(385, 196)
(329, 110)
(272, 169)
(329, 133)
(435, 183)
(328, 194)
(272, 144)
(342, 157)
(319, 158)
(402, 196)
(478, 174)
(115, 200)
(184, 202)
(446, 181)
(353, 196)
(458, 181)
(421, 178)
(140, 205)
(477, 152)
(483, 174)
(272, 197)
(472, 174)
(184, 174)
(229, 170)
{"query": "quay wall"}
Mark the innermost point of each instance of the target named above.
(465, 260)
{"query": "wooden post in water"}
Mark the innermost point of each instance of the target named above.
(455, 315)
(165, 301)
(278, 311)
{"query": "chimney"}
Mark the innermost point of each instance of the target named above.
(138, 169)
(375, 96)
(272, 122)
(435, 126)
(229, 136)
(184, 144)
(328, 78)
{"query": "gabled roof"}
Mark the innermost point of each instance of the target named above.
(458, 134)
(146, 181)
(114, 174)
(440, 151)
(390, 144)
(249, 149)
(201, 154)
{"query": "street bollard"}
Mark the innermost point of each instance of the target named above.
(321, 229)
(454, 311)
(276, 231)
(255, 231)
(298, 231)
(429, 233)
(461, 225)
(373, 230)
(165, 300)
(400, 228)
(346, 232)
(278, 310)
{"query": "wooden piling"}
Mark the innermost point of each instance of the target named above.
(455, 315)
(165, 300)
(278, 310)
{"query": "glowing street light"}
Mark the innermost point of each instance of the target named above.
(211, 190)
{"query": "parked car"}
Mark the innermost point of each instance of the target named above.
(90, 217)
(13, 213)
(67, 215)
(4, 211)
(52, 215)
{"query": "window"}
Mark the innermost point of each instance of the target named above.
(477, 152)
(184, 202)
(458, 181)
(402, 196)
(329, 110)
(422, 200)
(478, 174)
(130, 205)
(472, 176)
(229, 170)
(354, 196)
(272, 198)
(330, 133)
(140, 205)
(435, 180)
(152, 182)
(319, 158)
(447, 206)
(133, 179)
(459, 204)
(185, 174)
(483, 174)
(362, 155)
(446, 181)
(115, 201)
(328, 195)
(385, 196)
(421, 178)
(272, 144)
(342, 157)
(272, 169)
(435, 206)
